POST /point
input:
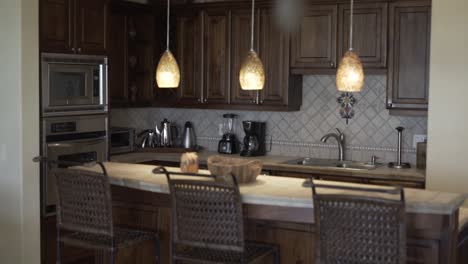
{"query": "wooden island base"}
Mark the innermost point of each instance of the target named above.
(432, 238)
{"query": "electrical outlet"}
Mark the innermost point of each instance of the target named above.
(418, 138)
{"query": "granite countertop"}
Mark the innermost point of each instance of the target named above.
(276, 163)
(275, 191)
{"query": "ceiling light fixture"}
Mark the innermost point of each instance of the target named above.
(350, 74)
(252, 74)
(167, 72)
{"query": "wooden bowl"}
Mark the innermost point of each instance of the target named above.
(244, 170)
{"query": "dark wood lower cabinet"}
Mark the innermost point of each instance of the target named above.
(462, 247)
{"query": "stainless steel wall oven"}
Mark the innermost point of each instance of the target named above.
(76, 139)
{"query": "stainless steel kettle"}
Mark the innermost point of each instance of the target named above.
(166, 134)
(149, 140)
(189, 140)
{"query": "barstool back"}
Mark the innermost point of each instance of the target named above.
(84, 201)
(206, 212)
(359, 225)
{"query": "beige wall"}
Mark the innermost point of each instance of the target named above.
(30, 130)
(19, 137)
(448, 105)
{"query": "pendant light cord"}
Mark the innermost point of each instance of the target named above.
(167, 33)
(253, 26)
(351, 26)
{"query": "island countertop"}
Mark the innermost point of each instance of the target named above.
(275, 191)
(277, 163)
(279, 210)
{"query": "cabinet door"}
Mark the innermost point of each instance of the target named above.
(189, 45)
(240, 47)
(408, 65)
(369, 33)
(314, 42)
(216, 57)
(56, 26)
(274, 52)
(91, 26)
(118, 89)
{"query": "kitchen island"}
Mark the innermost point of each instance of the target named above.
(278, 210)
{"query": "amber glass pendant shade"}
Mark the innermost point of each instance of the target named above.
(252, 74)
(350, 74)
(167, 72)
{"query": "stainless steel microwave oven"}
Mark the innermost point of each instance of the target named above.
(73, 84)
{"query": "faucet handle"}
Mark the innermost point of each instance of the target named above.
(373, 159)
(340, 134)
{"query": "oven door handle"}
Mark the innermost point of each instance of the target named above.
(68, 144)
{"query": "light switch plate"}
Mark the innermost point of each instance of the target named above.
(418, 138)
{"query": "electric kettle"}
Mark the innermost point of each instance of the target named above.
(189, 140)
(166, 133)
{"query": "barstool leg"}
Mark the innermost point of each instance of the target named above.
(276, 256)
(59, 247)
(59, 253)
(158, 251)
(112, 257)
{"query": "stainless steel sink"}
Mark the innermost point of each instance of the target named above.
(347, 165)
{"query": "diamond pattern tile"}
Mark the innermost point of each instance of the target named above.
(370, 132)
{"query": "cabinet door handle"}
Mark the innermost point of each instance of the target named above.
(74, 50)
(205, 100)
(198, 100)
(79, 50)
(332, 64)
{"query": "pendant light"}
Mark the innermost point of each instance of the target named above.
(350, 74)
(252, 74)
(167, 72)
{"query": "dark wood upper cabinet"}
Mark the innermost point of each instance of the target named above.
(132, 52)
(73, 26)
(281, 88)
(216, 59)
(56, 26)
(409, 51)
(189, 56)
(91, 26)
(314, 42)
(118, 61)
(369, 33)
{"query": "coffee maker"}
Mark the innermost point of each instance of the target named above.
(254, 140)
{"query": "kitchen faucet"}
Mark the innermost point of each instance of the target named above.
(340, 138)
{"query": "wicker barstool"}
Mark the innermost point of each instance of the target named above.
(360, 225)
(207, 222)
(84, 211)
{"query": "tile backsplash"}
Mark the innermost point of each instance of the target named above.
(370, 132)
